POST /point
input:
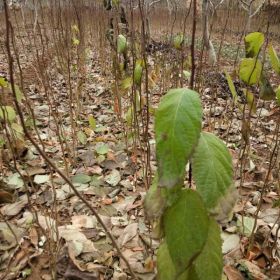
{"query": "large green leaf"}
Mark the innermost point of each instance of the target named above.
(208, 265)
(177, 127)
(186, 225)
(212, 168)
(250, 70)
(274, 59)
(165, 265)
(253, 43)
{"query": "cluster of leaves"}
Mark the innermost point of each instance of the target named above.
(252, 72)
(190, 235)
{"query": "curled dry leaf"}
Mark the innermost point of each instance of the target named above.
(14, 208)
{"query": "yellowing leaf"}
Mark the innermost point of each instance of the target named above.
(75, 28)
(126, 83)
(3, 82)
(18, 130)
(7, 113)
(92, 122)
(253, 43)
(274, 59)
(250, 70)
(178, 41)
(231, 87)
(75, 41)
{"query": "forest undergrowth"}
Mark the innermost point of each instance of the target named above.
(80, 88)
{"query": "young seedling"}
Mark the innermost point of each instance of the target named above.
(191, 243)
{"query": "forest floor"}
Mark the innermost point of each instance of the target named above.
(47, 228)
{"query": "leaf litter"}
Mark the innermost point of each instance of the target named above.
(105, 174)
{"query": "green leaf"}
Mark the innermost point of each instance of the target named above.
(138, 70)
(121, 44)
(177, 127)
(253, 43)
(208, 265)
(165, 266)
(231, 87)
(186, 225)
(212, 168)
(178, 41)
(274, 59)
(7, 113)
(3, 82)
(82, 137)
(92, 122)
(102, 148)
(278, 95)
(81, 179)
(250, 70)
